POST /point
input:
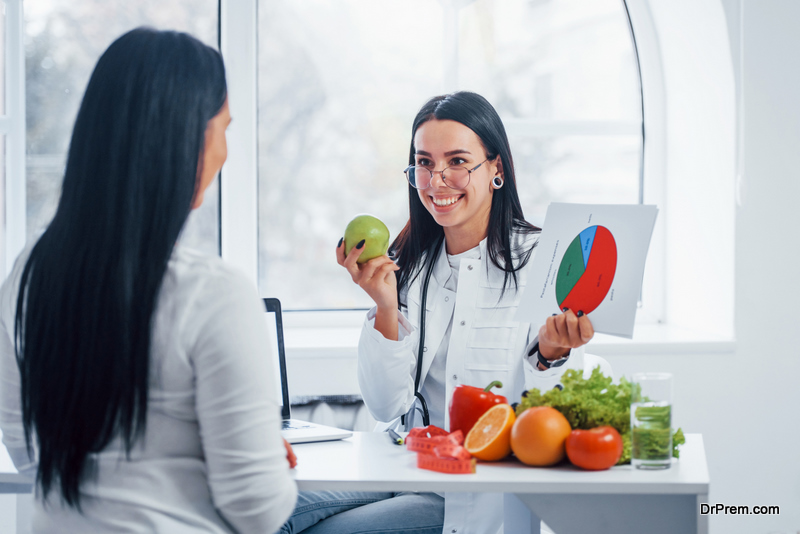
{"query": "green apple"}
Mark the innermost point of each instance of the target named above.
(373, 231)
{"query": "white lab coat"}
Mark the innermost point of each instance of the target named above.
(485, 344)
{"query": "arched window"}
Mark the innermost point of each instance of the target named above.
(339, 83)
(323, 93)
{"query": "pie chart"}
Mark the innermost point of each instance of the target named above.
(587, 270)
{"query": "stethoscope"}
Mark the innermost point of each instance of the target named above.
(426, 416)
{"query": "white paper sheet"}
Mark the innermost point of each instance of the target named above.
(590, 257)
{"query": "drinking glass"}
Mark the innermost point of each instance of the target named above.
(651, 421)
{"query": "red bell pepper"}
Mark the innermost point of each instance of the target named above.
(470, 403)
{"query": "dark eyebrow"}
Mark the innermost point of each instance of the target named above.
(449, 153)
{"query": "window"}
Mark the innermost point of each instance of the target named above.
(570, 102)
(12, 131)
(63, 41)
(4, 124)
(339, 83)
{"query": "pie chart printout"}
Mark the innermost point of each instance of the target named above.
(587, 270)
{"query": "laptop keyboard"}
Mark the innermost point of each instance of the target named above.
(294, 425)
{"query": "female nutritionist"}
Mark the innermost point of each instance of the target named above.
(135, 383)
(467, 234)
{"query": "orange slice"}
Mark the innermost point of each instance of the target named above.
(490, 438)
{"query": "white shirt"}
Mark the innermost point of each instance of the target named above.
(212, 459)
(434, 388)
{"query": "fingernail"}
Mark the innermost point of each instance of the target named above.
(361, 243)
(565, 310)
(580, 313)
(340, 243)
(555, 314)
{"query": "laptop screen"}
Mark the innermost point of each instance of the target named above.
(275, 340)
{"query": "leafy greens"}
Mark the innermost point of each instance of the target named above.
(593, 402)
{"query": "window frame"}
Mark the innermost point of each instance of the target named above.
(239, 178)
(12, 126)
(238, 37)
(667, 313)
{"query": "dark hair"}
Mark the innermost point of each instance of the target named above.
(421, 235)
(90, 286)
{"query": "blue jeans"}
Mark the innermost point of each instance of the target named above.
(350, 512)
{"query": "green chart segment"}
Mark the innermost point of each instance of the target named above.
(571, 270)
(587, 270)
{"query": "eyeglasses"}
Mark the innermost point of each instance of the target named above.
(453, 177)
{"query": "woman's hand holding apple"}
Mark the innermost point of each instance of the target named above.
(377, 278)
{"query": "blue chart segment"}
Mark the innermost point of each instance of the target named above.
(587, 238)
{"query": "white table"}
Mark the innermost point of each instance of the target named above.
(569, 500)
(620, 500)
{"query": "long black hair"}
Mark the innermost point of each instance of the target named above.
(90, 286)
(421, 235)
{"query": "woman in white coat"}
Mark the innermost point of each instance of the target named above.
(467, 237)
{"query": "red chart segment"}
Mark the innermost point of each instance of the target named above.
(594, 283)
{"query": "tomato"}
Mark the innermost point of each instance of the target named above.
(595, 449)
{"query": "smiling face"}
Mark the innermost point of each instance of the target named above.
(462, 213)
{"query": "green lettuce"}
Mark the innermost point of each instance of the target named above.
(593, 402)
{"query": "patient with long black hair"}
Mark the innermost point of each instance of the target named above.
(135, 387)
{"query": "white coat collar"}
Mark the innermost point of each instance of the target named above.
(441, 270)
(490, 277)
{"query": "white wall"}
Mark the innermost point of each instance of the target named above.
(765, 383)
(745, 403)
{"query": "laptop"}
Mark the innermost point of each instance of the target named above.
(294, 431)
